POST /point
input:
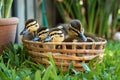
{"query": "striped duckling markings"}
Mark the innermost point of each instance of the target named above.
(31, 27)
(75, 32)
(55, 35)
(42, 33)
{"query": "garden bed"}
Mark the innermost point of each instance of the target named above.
(16, 65)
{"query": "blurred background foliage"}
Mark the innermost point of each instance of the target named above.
(99, 17)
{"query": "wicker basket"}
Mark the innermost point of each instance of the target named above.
(65, 52)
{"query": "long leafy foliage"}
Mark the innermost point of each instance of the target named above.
(94, 14)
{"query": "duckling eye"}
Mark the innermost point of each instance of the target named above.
(37, 25)
(39, 34)
(53, 34)
(61, 35)
(44, 32)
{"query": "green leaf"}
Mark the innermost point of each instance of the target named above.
(1, 6)
(27, 78)
(93, 61)
(47, 74)
(38, 75)
(85, 67)
(7, 7)
(3, 76)
(13, 74)
(53, 67)
(70, 66)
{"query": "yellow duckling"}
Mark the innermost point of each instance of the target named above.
(55, 35)
(65, 28)
(31, 26)
(58, 33)
(42, 33)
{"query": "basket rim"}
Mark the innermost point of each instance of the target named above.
(102, 41)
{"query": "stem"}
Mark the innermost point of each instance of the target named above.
(1, 5)
(7, 7)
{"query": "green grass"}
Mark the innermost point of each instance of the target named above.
(16, 65)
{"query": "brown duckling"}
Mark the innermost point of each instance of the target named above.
(76, 34)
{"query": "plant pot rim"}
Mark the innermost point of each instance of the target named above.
(9, 21)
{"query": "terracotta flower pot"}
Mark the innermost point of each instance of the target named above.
(7, 30)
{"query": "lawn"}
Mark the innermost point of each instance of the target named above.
(16, 65)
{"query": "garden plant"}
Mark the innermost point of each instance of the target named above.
(95, 15)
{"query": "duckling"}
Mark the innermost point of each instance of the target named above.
(55, 35)
(91, 37)
(65, 28)
(75, 32)
(42, 33)
(76, 27)
(31, 26)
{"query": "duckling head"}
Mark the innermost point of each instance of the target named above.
(76, 30)
(31, 25)
(65, 28)
(42, 33)
(55, 35)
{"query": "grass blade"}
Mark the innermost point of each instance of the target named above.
(38, 75)
(85, 67)
(3, 76)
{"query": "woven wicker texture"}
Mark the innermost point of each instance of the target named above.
(65, 52)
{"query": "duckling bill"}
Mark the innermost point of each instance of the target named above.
(24, 32)
(31, 25)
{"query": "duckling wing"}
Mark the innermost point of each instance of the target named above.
(28, 36)
(91, 37)
(73, 39)
(69, 39)
(64, 28)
